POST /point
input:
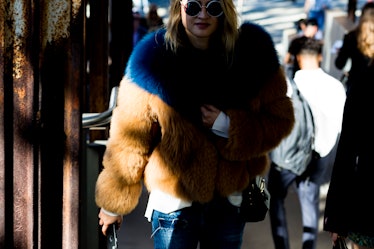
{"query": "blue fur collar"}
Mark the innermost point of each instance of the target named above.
(193, 77)
(140, 68)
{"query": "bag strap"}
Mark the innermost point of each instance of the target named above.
(296, 90)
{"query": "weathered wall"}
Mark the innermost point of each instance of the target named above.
(53, 67)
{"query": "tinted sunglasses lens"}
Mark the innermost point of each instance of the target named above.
(192, 8)
(214, 8)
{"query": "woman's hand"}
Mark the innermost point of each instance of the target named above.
(209, 114)
(105, 220)
(334, 237)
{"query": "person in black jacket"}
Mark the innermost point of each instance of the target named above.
(311, 30)
(349, 209)
(358, 45)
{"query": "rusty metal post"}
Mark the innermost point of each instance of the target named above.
(18, 185)
(73, 88)
(98, 57)
(42, 73)
(62, 76)
(2, 124)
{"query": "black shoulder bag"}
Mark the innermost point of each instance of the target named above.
(256, 200)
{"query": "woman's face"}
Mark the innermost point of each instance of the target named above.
(200, 20)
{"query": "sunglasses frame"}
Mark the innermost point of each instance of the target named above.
(185, 6)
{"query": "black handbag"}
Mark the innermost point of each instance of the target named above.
(340, 243)
(256, 200)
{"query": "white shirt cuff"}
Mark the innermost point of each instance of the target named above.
(109, 213)
(221, 125)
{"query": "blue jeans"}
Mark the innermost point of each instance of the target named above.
(319, 15)
(217, 224)
(308, 193)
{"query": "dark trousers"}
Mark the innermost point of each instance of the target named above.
(308, 192)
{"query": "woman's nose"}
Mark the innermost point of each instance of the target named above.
(203, 13)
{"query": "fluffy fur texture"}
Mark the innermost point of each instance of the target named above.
(156, 134)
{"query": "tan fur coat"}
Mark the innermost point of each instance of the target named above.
(152, 141)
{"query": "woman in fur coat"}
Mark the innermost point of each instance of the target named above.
(200, 106)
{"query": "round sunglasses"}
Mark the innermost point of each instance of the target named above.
(193, 8)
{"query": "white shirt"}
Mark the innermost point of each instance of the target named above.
(326, 97)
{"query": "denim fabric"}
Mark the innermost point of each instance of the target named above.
(216, 224)
(308, 192)
(319, 15)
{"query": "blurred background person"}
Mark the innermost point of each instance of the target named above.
(348, 211)
(326, 97)
(308, 28)
(316, 9)
(358, 46)
(140, 27)
(300, 26)
(154, 21)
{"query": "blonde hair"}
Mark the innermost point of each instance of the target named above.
(227, 31)
(365, 30)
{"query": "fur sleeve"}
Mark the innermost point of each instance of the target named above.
(267, 114)
(119, 185)
(259, 128)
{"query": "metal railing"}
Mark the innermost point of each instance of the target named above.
(93, 153)
(97, 120)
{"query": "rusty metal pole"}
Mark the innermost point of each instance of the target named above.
(18, 185)
(73, 89)
(98, 57)
(42, 73)
(2, 125)
(62, 78)
(2, 119)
